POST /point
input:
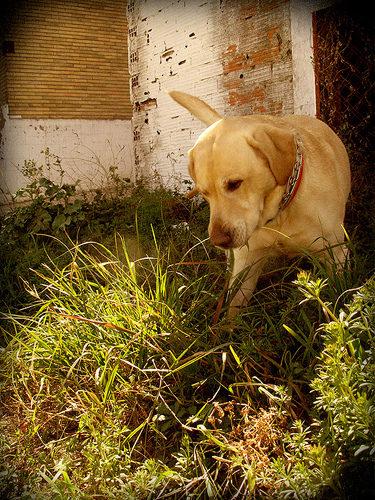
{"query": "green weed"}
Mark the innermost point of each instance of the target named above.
(122, 378)
(127, 384)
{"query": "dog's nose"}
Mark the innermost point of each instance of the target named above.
(220, 237)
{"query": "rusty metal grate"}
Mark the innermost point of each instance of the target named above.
(344, 49)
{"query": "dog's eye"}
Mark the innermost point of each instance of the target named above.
(233, 185)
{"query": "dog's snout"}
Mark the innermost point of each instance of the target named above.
(221, 237)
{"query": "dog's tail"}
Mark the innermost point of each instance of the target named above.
(197, 108)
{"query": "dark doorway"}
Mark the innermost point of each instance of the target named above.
(344, 56)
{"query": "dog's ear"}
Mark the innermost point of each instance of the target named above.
(197, 108)
(278, 146)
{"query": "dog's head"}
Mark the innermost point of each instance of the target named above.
(236, 164)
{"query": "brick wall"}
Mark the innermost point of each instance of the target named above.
(70, 59)
(236, 55)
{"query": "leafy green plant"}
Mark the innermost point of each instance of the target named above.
(123, 379)
(50, 210)
(118, 316)
(342, 433)
(345, 377)
(50, 204)
(129, 385)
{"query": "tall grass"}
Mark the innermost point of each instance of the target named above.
(128, 381)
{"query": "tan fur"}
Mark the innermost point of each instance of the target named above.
(241, 166)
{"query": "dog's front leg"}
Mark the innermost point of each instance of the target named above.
(246, 264)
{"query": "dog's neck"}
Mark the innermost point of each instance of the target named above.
(295, 178)
(281, 196)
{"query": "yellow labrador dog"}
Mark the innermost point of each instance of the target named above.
(275, 185)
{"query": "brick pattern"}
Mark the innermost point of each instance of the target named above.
(235, 55)
(70, 59)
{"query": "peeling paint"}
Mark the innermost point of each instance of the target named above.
(239, 61)
(233, 55)
(256, 96)
(167, 53)
(230, 50)
(136, 135)
(145, 105)
(265, 56)
(234, 83)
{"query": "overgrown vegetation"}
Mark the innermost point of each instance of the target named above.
(121, 377)
(57, 208)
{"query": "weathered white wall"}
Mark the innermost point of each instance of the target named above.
(242, 57)
(87, 148)
(301, 17)
(236, 55)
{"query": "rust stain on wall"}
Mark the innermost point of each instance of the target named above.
(275, 107)
(238, 62)
(230, 50)
(234, 83)
(272, 51)
(265, 56)
(234, 60)
(274, 33)
(256, 97)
